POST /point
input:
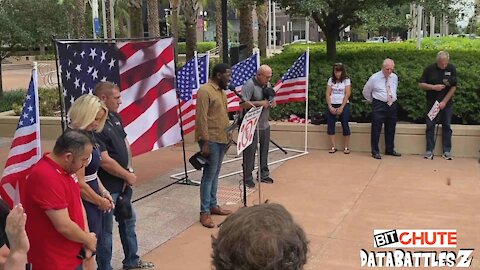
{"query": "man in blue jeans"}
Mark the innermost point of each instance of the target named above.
(439, 80)
(116, 173)
(211, 120)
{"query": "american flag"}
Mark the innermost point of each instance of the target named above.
(241, 72)
(25, 150)
(189, 78)
(293, 85)
(144, 72)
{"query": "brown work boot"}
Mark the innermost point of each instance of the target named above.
(206, 220)
(219, 211)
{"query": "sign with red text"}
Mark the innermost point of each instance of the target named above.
(248, 129)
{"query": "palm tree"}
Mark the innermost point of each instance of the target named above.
(152, 17)
(262, 16)
(218, 26)
(246, 25)
(190, 10)
(79, 19)
(135, 15)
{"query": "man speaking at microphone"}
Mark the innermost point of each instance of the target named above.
(258, 92)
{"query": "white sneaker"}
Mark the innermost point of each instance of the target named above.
(428, 155)
(447, 155)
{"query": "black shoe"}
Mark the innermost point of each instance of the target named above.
(376, 156)
(393, 153)
(250, 184)
(267, 180)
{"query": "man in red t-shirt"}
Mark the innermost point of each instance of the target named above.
(56, 224)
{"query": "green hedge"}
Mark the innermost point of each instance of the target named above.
(48, 99)
(202, 47)
(364, 59)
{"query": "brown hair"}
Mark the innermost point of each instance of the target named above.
(339, 67)
(260, 237)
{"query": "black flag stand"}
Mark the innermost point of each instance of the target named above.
(185, 180)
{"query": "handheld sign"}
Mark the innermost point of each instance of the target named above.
(247, 129)
(434, 111)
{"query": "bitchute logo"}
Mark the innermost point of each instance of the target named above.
(411, 239)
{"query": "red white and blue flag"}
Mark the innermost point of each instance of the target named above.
(189, 79)
(25, 150)
(241, 72)
(144, 72)
(293, 85)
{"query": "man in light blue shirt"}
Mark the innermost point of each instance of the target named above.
(381, 91)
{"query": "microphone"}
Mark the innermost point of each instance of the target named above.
(232, 88)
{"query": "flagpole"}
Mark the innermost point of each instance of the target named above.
(62, 100)
(35, 89)
(185, 180)
(306, 99)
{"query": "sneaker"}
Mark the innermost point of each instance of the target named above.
(140, 265)
(267, 180)
(250, 184)
(447, 155)
(428, 155)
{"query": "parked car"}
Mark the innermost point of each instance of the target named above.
(380, 39)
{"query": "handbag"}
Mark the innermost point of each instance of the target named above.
(123, 205)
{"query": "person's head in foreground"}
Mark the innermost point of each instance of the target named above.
(261, 237)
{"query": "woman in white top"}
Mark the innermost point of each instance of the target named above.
(337, 95)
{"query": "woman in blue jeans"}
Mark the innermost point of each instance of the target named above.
(338, 92)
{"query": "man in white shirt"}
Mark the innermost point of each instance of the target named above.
(381, 91)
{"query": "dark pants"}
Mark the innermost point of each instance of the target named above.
(445, 116)
(344, 117)
(249, 156)
(383, 114)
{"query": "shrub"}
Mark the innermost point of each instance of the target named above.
(48, 99)
(202, 47)
(362, 60)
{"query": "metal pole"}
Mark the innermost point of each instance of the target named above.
(307, 30)
(274, 27)
(225, 31)
(104, 19)
(94, 5)
(269, 27)
(112, 17)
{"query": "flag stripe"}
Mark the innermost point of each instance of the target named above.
(160, 106)
(130, 48)
(144, 70)
(22, 157)
(24, 139)
(18, 150)
(154, 130)
(139, 90)
(135, 110)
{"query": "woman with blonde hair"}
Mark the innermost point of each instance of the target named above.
(89, 113)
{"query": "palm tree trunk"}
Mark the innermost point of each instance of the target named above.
(109, 19)
(80, 19)
(218, 27)
(190, 9)
(262, 16)
(152, 14)
(135, 14)
(246, 27)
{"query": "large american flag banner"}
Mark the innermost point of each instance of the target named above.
(293, 85)
(241, 72)
(189, 78)
(145, 74)
(25, 150)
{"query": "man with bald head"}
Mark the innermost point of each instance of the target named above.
(253, 91)
(439, 80)
(381, 91)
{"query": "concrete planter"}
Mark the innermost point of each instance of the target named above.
(409, 138)
(50, 127)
